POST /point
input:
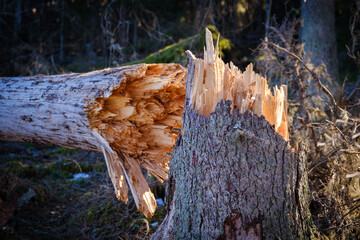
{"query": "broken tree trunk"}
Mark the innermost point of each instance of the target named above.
(128, 113)
(233, 175)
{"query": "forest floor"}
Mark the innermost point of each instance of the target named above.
(43, 196)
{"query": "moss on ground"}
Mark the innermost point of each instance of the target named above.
(85, 208)
(175, 53)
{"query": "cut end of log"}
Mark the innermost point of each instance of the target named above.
(214, 80)
(137, 127)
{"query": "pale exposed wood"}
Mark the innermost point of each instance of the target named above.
(214, 80)
(128, 113)
(137, 122)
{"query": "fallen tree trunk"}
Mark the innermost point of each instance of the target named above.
(233, 175)
(128, 113)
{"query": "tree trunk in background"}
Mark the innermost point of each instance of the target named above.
(17, 20)
(318, 34)
(62, 19)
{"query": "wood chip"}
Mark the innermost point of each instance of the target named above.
(214, 80)
(136, 126)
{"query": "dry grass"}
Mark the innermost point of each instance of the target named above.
(328, 125)
(62, 209)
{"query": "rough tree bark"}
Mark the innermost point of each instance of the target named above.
(236, 178)
(128, 113)
(232, 175)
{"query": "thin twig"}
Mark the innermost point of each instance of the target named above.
(76, 163)
(313, 133)
(313, 74)
(295, 66)
(353, 91)
(281, 36)
(325, 159)
(340, 132)
(50, 188)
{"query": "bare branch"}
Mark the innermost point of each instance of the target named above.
(313, 74)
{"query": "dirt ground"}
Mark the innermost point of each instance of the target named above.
(40, 199)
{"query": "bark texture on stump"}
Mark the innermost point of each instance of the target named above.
(236, 178)
(232, 174)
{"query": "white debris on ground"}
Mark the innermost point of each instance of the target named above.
(26, 198)
(160, 202)
(79, 176)
(154, 224)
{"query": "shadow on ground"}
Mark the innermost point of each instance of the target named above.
(57, 193)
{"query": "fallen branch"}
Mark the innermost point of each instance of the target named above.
(128, 113)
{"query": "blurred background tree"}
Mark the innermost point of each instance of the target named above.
(54, 36)
(48, 37)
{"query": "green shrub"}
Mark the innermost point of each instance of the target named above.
(175, 53)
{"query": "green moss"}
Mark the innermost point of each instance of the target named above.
(100, 167)
(104, 212)
(58, 175)
(158, 215)
(66, 151)
(42, 170)
(175, 53)
(85, 167)
(36, 171)
(81, 182)
(86, 196)
(91, 215)
(62, 169)
(20, 169)
(68, 166)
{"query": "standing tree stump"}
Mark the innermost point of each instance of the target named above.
(236, 178)
(232, 173)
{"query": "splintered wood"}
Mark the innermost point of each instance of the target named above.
(137, 126)
(214, 80)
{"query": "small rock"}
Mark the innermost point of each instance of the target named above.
(160, 202)
(26, 198)
(79, 175)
